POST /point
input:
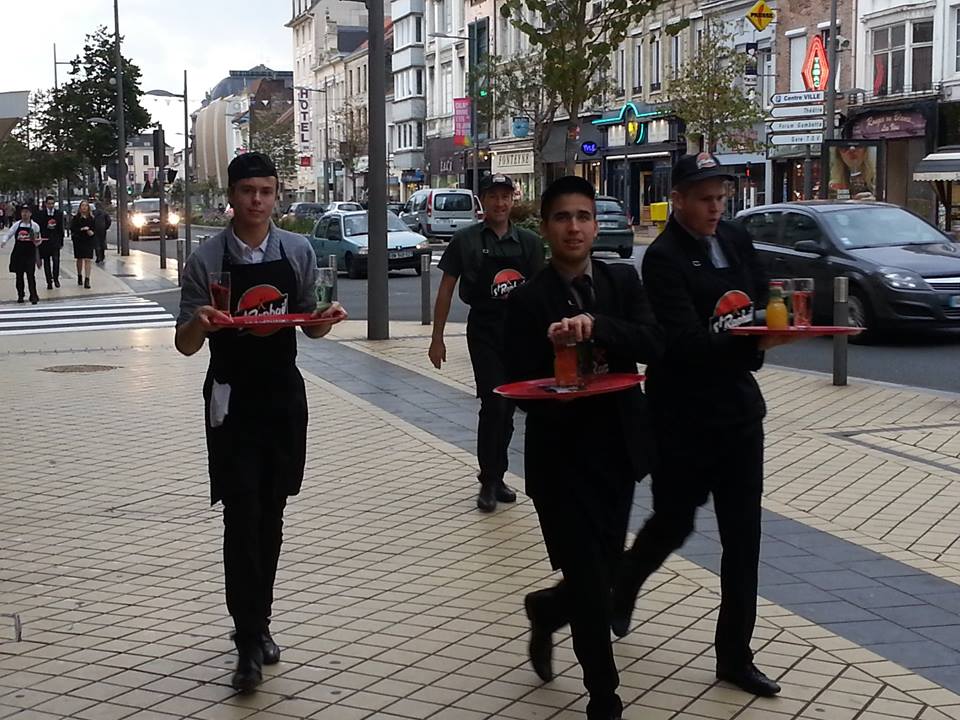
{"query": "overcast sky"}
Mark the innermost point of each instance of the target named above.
(208, 38)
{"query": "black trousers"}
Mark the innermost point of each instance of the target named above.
(101, 247)
(495, 421)
(51, 265)
(728, 464)
(31, 283)
(252, 536)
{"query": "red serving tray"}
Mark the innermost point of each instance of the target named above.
(546, 388)
(797, 330)
(288, 320)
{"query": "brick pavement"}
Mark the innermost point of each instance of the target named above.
(396, 599)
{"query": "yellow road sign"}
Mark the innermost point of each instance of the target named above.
(761, 15)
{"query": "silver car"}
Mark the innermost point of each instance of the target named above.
(440, 212)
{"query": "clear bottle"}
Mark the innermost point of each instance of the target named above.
(777, 316)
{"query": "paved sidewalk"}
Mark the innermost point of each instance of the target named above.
(396, 599)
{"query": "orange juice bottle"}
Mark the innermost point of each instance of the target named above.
(777, 317)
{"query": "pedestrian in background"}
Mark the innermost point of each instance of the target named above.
(83, 233)
(50, 220)
(101, 221)
(24, 259)
(489, 259)
(703, 278)
(12, 213)
(583, 457)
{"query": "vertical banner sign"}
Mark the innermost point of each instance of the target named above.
(303, 121)
(462, 132)
(750, 66)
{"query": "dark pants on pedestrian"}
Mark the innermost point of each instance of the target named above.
(728, 464)
(252, 536)
(495, 422)
(101, 246)
(51, 265)
(31, 283)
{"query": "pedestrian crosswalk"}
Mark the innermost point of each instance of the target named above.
(105, 313)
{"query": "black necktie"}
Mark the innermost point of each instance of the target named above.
(583, 286)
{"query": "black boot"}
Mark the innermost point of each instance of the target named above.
(86, 283)
(271, 651)
(540, 647)
(79, 280)
(487, 499)
(249, 672)
(49, 284)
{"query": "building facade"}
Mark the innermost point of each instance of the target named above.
(408, 109)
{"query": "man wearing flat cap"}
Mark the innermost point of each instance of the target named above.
(255, 403)
(489, 259)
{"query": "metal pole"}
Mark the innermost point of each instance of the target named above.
(474, 54)
(808, 176)
(56, 86)
(332, 264)
(187, 210)
(841, 316)
(121, 142)
(326, 145)
(160, 182)
(425, 261)
(831, 94)
(180, 259)
(378, 300)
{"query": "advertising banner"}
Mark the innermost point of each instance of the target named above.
(462, 132)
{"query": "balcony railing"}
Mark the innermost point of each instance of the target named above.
(862, 97)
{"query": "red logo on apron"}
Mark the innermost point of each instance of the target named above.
(505, 282)
(733, 309)
(51, 223)
(262, 300)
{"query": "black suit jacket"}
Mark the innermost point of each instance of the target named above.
(705, 376)
(581, 441)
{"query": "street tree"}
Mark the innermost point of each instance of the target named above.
(709, 93)
(351, 120)
(576, 42)
(272, 134)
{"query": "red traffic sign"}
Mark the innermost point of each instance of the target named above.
(816, 67)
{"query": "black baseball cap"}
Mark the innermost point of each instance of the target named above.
(693, 168)
(249, 165)
(497, 180)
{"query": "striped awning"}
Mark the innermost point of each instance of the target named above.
(939, 166)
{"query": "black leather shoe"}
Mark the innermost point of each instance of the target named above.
(49, 284)
(540, 648)
(271, 651)
(249, 672)
(487, 499)
(622, 601)
(505, 493)
(56, 282)
(749, 679)
(611, 709)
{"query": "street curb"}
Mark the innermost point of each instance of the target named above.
(940, 394)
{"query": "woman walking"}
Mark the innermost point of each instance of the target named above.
(24, 259)
(82, 231)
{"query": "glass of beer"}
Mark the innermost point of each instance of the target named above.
(325, 283)
(802, 302)
(220, 291)
(566, 365)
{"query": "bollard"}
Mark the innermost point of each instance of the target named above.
(17, 626)
(425, 261)
(163, 250)
(180, 251)
(841, 316)
(332, 263)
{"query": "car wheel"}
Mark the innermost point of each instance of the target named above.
(625, 252)
(861, 315)
(353, 269)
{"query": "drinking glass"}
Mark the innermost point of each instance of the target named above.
(220, 291)
(566, 365)
(802, 302)
(325, 282)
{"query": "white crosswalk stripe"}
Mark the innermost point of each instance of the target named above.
(107, 313)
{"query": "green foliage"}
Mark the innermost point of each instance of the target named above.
(709, 96)
(29, 168)
(304, 226)
(272, 135)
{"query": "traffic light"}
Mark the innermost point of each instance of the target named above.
(159, 147)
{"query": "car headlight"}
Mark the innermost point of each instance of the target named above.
(423, 245)
(361, 251)
(139, 220)
(173, 218)
(902, 279)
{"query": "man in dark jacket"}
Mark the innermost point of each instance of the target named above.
(101, 223)
(702, 277)
(582, 456)
(50, 220)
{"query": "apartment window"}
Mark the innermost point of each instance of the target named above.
(638, 67)
(766, 82)
(146, 159)
(655, 62)
(446, 89)
(675, 56)
(448, 16)
(903, 58)
(419, 134)
(418, 29)
(419, 82)
(620, 72)
(798, 51)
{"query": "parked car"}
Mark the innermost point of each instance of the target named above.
(344, 234)
(144, 219)
(304, 211)
(343, 206)
(614, 232)
(903, 272)
(440, 212)
(395, 207)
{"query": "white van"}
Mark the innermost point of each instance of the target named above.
(440, 212)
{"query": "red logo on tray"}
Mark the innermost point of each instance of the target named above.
(262, 300)
(505, 282)
(733, 309)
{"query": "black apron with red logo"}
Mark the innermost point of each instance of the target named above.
(23, 259)
(51, 229)
(253, 376)
(497, 277)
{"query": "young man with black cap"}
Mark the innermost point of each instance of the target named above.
(582, 457)
(703, 278)
(24, 258)
(490, 259)
(50, 220)
(252, 382)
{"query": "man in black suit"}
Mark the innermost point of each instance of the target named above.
(582, 456)
(702, 277)
(50, 220)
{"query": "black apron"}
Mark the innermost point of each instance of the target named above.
(51, 229)
(23, 259)
(263, 436)
(497, 277)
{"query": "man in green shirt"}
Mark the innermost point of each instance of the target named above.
(489, 260)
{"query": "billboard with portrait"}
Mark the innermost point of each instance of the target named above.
(852, 168)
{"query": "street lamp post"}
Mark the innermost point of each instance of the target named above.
(121, 142)
(56, 86)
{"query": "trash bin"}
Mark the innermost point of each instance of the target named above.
(658, 214)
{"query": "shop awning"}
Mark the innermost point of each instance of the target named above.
(943, 165)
